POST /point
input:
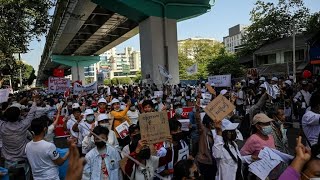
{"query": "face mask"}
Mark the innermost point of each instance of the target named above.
(120, 98)
(132, 108)
(100, 144)
(177, 137)
(183, 102)
(90, 118)
(179, 111)
(144, 154)
(266, 130)
(94, 109)
(106, 125)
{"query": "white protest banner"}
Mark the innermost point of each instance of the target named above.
(269, 159)
(184, 124)
(219, 108)
(270, 90)
(88, 89)
(164, 72)
(192, 69)
(206, 99)
(4, 95)
(58, 84)
(158, 94)
(154, 127)
(220, 80)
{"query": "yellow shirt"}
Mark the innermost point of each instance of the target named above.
(120, 117)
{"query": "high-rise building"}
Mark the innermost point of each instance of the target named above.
(113, 64)
(189, 47)
(234, 39)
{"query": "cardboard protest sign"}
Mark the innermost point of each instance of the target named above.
(219, 108)
(88, 89)
(4, 95)
(58, 84)
(220, 80)
(154, 127)
(210, 89)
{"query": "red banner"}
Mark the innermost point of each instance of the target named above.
(58, 72)
(185, 112)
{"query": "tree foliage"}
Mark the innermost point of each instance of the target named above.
(199, 52)
(121, 80)
(271, 21)
(225, 63)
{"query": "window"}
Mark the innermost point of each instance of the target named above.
(299, 55)
(266, 59)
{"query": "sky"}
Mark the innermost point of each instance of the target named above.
(214, 24)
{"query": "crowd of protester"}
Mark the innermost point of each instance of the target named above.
(50, 136)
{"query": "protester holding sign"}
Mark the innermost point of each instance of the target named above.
(226, 152)
(120, 117)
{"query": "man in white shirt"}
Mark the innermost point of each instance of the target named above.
(302, 99)
(311, 120)
(102, 161)
(88, 141)
(72, 125)
(42, 155)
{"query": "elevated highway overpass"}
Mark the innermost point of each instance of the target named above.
(83, 29)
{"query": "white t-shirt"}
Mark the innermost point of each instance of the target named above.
(40, 156)
(240, 100)
(77, 135)
(133, 116)
(142, 173)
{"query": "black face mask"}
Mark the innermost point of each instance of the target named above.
(144, 154)
(100, 144)
(177, 137)
(134, 142)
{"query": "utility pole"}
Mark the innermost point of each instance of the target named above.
(294, 52)
(20, 73)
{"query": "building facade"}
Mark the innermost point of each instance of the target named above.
(114, 65)
(234, 40)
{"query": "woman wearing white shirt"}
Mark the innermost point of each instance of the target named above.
(226, 152)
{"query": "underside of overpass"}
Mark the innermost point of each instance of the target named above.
(89, 28)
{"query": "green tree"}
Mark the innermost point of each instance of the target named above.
(199, 52)
(138, 77)
(225, 63)
(271, 21)
(27, 73)
(107, 82)
(20, 22)
(121, 80)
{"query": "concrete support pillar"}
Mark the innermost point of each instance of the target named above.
(78, 73)
(154, 44)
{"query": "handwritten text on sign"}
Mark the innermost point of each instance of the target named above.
(219, 108)
(220, 80)
(154, 127)
(58, 85)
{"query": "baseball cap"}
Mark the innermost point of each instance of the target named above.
(102, 100)
(262, 79)
(88, 112)
(17, 105)
(102, 117)
(274, 79)
(261, 118)
(288, 82)
(228, 125)
(263, 86)
(304, 82)
(75, 106)
(114, 101)
(243, 81)
(213, 84)
(251, 82)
